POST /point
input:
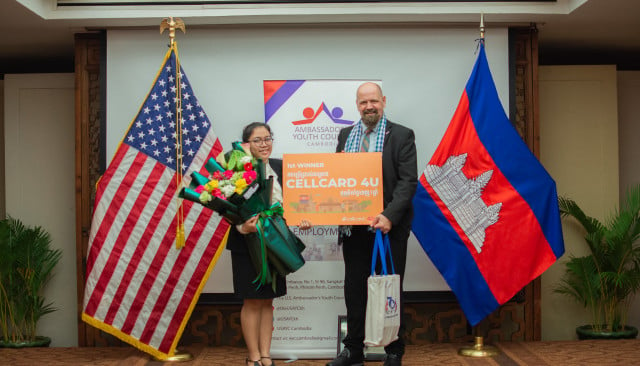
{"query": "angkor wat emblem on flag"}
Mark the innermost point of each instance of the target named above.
(462, 196)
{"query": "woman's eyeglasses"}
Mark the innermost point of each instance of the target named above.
(259, 141)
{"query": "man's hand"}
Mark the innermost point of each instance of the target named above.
(382, 223)
(305, 225)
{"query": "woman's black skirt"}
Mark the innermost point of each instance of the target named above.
(243, 275)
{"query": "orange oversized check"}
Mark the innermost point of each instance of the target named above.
(332, 188)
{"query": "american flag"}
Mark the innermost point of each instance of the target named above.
(139, 287)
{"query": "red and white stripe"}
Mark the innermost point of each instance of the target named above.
(137, 281)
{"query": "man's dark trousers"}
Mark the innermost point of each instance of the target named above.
(357, 251)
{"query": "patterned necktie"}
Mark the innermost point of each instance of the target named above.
(365, 140)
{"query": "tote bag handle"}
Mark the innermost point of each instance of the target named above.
(382, 249)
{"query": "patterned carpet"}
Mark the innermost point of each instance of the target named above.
(619, 352)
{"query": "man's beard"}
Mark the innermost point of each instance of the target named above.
(370, 119)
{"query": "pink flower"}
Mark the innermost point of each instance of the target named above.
(218, 193)
(217, 175)
(228, 174)
(250, 176)
(199, 189)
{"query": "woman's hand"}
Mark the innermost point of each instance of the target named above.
(305, 225)
(248, 226)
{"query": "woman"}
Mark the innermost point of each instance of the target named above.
(256, 315)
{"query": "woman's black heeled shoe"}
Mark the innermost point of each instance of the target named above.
(269, 358)
(255, 362)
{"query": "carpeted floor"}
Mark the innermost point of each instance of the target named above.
(619, 352)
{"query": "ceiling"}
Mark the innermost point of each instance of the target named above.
(570, 31)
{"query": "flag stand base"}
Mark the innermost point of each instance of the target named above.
(178, 356)
(479, 349)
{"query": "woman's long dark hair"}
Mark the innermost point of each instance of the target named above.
(248, 130)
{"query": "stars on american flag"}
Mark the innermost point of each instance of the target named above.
(153, 131)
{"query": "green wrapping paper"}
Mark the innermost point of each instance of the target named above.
(198, 179)
(213, 166)
(224, 208)
(274, 249)
(284, 248)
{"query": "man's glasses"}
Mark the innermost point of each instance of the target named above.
(259, 141)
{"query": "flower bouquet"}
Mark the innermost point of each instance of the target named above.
(237, 188)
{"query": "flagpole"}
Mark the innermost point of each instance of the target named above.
(172, 24)
(479, 349)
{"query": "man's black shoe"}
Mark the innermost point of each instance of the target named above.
(347, 358)
(391, 359)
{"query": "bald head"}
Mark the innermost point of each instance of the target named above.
(370, 103)
(368, 88)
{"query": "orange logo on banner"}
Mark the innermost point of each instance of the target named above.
(332, 188)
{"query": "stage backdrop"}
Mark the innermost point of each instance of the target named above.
(422, 71)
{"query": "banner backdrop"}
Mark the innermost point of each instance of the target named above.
(305, 117)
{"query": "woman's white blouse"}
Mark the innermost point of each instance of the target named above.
(276, 196)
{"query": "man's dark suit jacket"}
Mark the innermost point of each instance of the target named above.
(399, 173)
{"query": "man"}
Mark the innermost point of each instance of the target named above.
(374, 133)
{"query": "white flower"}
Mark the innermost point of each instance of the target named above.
(245, 159)
(227, 190)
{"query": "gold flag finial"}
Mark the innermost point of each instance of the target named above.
(171, 24)
(482, 26)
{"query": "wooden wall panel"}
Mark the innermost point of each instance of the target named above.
(88, 108)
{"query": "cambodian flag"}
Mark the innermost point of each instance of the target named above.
(486, 211)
